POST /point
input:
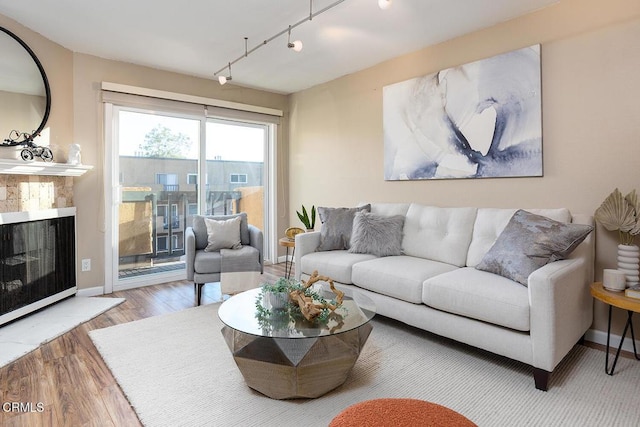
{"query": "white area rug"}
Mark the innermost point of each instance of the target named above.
(25, 335)
(176, 370)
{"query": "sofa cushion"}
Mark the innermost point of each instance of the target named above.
(390, 209)
(200, 229)
(529, 242)
(335, 232)
(439, 234)
(335, 264)
(491, 221)
(223, 234)
(399, 277)
(376, 235)
(479, 295)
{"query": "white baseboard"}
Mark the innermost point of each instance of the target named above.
(600, 337)
(148, 280)
(91, 292)
(283, 258)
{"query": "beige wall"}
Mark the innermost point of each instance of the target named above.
(591, 121)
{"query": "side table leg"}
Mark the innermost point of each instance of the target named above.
(293, 254)
(287, 269)
(624, 333)
(633, 337)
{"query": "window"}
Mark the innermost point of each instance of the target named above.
(166, 178)
(238, 178)
(192, 178)
(162, 244)
(169, 181)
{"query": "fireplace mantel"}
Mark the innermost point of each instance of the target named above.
(20, 167)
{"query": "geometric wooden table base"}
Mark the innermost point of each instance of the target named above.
(288, 368)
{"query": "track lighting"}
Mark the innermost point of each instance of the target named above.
(296, 45)
(223, 79)
(384, 4)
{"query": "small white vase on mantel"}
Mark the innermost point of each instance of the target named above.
(629, 263)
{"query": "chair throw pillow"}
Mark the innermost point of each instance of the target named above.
(200, 229)
(223, 234)
(335, 232)
(376, 235)
(529, 242)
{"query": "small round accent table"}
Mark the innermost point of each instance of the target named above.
(399, 413)
(619, 300)
(288, 243)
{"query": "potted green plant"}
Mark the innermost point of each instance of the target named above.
(276, 295)
(308, 219)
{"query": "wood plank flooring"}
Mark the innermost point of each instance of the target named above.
(66, 383)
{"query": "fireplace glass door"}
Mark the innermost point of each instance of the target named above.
(37, 260)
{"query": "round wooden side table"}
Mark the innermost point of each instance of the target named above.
(288, 243)
(618, 300)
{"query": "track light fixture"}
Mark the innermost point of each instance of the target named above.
(223, 79)
(296, 45)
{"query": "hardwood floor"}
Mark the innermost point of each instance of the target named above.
(66, 383)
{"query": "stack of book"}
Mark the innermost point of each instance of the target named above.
(633, 292)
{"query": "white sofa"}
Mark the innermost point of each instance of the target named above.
(434, 285)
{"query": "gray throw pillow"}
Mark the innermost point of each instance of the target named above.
(200, 230)
(223, 234)
(335, 232)
(377, 235)
(529, 242)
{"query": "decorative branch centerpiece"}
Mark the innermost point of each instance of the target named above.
(299, 299)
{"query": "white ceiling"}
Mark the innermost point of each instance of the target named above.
(199, 37)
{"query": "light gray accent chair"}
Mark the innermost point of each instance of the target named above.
(206, 267)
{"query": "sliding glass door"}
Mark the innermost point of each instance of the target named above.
(235, 169)
(169, 167)
(157, 178)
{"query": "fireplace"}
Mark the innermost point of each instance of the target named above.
(37, 260)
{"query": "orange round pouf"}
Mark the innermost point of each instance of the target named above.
(397, 413)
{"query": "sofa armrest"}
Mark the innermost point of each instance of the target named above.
(306, 243)
(257, 241)
(561, 310)
(189, 251)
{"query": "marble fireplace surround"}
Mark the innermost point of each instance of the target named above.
(30, 186)
(36, 187)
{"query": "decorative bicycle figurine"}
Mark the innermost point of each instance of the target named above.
(31, 150)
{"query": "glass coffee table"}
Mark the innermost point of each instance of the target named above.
(284, 356)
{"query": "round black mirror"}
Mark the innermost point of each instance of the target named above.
(25, 96)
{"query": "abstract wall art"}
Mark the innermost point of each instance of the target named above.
(478, 120)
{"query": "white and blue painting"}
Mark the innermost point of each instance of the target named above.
(478, 120)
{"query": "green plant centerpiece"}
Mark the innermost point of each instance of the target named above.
(302, 302)
(307, 218)
(622, 214)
